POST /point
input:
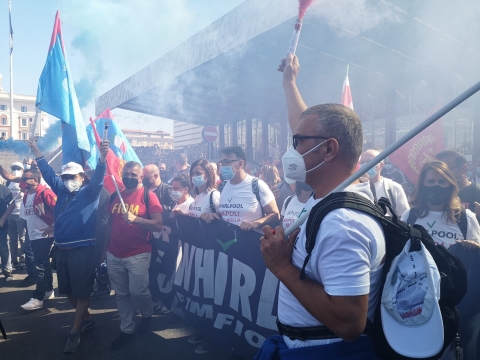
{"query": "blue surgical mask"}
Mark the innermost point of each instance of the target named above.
(198, 181)
(372, 172)
(227, 172)
(176, 195)
(388, 166)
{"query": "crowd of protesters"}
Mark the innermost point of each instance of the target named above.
(90, 227)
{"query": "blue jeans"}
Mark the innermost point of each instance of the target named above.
(41, 250)
(4, 253)
(27, 250)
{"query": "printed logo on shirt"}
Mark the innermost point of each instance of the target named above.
(117, 208)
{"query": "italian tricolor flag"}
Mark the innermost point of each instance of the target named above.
(346, 94)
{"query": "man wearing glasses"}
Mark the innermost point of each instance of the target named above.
(244, 200)
(325, 311)
(37, 210)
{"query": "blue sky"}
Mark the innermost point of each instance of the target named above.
(106, 42)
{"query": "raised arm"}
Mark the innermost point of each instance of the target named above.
(96, 182)
(295, 104)
(8, 176)
(48, 173)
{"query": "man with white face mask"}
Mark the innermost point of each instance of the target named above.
(329, 307)
(384, 187)
(75, 232)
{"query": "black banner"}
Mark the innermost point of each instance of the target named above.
(214, 277)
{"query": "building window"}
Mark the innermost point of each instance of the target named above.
(24, 136)
(23, 109)
(3, 107)
(4, 136)
(4, 120)
(24, 122)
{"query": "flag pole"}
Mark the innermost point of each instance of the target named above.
(56, 155)
(393, 147)
(11, 69)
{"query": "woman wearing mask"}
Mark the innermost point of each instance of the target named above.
(436, 206)
(280, 189)
(206, 196)
(181, 194)
(293, 205)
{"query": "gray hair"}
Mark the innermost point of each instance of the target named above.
(343, 124)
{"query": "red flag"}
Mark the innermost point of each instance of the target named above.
(346, 94)
(421, 149)
(114, 165)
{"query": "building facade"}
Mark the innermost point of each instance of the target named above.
(21, 126)
(142, 138)
(186, 134)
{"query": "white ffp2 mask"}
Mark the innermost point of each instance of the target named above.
(294, 164)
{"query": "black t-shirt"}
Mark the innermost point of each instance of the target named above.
(469, 195)
(6, 198)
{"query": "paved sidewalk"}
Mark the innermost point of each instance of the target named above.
(41, 334)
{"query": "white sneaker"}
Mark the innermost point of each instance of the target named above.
(33, 304)
(49, 295)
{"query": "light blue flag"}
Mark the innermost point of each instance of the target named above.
(56, 96)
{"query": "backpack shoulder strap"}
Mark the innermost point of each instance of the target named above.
(212, 205)
(340, 200)
(256, 189)
(463, 223)
(222, 185)
(388, 186)
(146, 200)
(8, 183)
(287, 201)
(412, 217)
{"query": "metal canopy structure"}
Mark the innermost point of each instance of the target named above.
(227, 72)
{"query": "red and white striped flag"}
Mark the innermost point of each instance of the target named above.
(346, 94)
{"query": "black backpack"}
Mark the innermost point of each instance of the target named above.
(453, 284)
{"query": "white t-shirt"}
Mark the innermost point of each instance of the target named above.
(17, 196)
(201, 203)
(238, 202)
(347, 260)
(401, 202)
(35, 224)
(445, 233)
(292, 212)
(184, 207)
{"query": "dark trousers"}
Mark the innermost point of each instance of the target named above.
(27, 250)
(4, 252)
(16, 233)
(41, 251)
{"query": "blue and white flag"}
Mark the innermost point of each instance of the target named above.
(56, 95)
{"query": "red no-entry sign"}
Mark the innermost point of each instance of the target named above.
(210, 133)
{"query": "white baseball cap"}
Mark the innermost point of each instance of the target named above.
(71, 168)
(19, 164)
(411, 318)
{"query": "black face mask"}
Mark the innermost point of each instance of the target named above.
(436, 194)
(147, 183)
(164, 175)
(130, 183)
